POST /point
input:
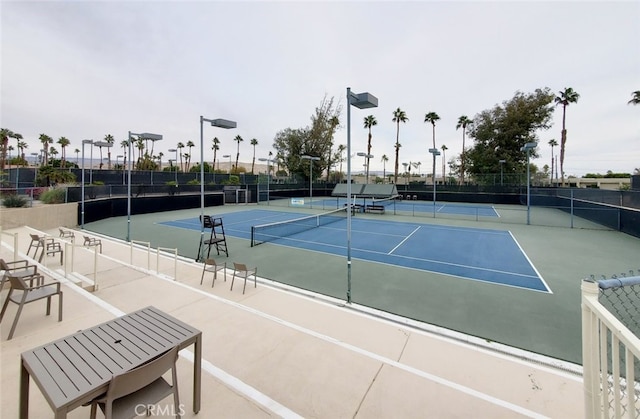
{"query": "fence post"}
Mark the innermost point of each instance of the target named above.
(590, 343)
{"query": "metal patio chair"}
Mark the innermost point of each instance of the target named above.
(19, 268)
(92, 241)
(22, 294)
(48, 245)
(241, 270)
(67, 234)
(210, 265)
(140, 387)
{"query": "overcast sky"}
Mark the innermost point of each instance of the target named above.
(86, 69)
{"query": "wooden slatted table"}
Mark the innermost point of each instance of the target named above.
(74, 370)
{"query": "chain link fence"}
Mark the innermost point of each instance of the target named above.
(620, 294)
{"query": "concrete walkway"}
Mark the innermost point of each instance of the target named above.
(274, 352)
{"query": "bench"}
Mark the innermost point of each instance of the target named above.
(355, 208)
(375, 208)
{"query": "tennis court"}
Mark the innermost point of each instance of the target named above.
(399, 205)
(492, 256)
(544, 322)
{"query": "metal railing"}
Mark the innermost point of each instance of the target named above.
(610, 348)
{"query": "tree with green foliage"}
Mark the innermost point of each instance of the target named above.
(215, 147)
(110, 140)
(369, 121)
(5, 134)
(432, 117)
(64, 143)
(238, 139)
(45, 140)
(190, 145)
(552, 143)
(500, 133)
(315, 140)
(565, 98)
(463, 122)
(398, 116)
(254, 143)
(384, 161)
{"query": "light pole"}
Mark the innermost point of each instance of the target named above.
(224, 157)
(361, 101)
(146, 135)
(175, 150)
(268, 175)
(502, 162)
(82, 191)
(311, 160)
(526, 148)
(366, 164)
(435, 153)
(220, 123)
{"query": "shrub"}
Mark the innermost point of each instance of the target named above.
(193, 182)
(14, 201)
(53, 196)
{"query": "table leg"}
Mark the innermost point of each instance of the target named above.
(24, 392)
(197, 374)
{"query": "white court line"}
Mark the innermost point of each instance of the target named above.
(405, 239)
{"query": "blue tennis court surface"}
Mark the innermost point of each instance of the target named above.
(407, 205)
(480, 254)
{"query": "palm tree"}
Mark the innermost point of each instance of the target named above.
(160, 156)
(341, 149)
(463, 121)
(432, 117)
(21, 147)
(140, 147)
(552, 143)
(369, 121)
(238, 140)
(45, 140)
(124, 144)
(53, 152)
(77, 151)
(417, 165)
(190, 144)
(636, 98)
(5, 134)
(180, 146)
(564, 98)
(444, 148)
(398, 116)
(64, 142)
(254, 143)
(109, 139)
(215, 147)
(384, 161)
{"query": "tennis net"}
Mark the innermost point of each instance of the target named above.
(273, 231)
(384, 201)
